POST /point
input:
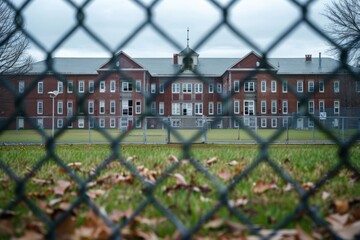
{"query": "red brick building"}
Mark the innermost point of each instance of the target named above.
(114, 94)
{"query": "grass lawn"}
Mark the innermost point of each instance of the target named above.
(189, 191)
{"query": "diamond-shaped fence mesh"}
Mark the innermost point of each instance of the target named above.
(150, 126)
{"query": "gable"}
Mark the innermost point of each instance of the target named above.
(125, 62)
(252, 60)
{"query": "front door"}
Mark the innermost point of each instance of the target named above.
(187, 109)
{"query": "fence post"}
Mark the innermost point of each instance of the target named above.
(89, 132)
(204, 128)
(343, 128)
(287, 130)
(168, 131)
(313, 132)
(145, 127)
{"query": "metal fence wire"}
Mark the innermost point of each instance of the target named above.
(150, 198)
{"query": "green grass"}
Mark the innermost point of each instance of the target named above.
(303, 163)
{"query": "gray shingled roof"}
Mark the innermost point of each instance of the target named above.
(206, 66)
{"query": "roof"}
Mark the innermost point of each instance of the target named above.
(206, 66)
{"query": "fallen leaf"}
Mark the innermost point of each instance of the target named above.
(75, 166)
(131, 158)
(214, 224)
(233, 163)
(261, 187)
(341, 206)
(94, 193)
(301, 234)
(62, 186)
(31, 235)
(225, 175)
(180, 180)
(211, 161)
(325, 195)
(239, 167)
(238, 202)
(307, 186)
(172, 158)
(42, 181)
(204, 199)
(288, 187)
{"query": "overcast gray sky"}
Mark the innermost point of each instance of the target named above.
(114, 20)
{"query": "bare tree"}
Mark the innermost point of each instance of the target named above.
(13, 44)
(344, 28)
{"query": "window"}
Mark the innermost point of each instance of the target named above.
(161, 108)
(357, 86)
(40, 107)
(236, 107)
(219, 88)
(285, 86)
(102, 107)
(70, 86)
(102, 123)
(249, 86)
(263, 86)
(60, 87)
(198, 87)
(153, 88)
(102, 86)
(138, 86)
(126, 86)
(175, 88)
(112, 122)
(337, 107)
(91, 107)
(81, 86)
(161, 88)
(273, 122)
(153, 108)
(311, 106)
(127, 107)
(249, 107)
(91, 122)
(236, 86)
(273, 86)
(60, 123)
(60, 107)
(285, 107)
(138, 107)
(219, 108)
(81, 123)
(211, 88)
(300, 86)
(112, 107)
(198, 108)
(175, 108)
(91, 86)
(310, 123)
(21, 86)
(40, 87)
(263, 106)
(186, 87)
(321, 106)
(311, 86)
(321, 86)
(112, 86)
(285, 122)
(273, 106)
(263, 122)
(211, 108)
(336, 87)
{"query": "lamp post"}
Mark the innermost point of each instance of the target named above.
(53, 95)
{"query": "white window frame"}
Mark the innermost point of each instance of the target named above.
(219, 110)
(311, 86)
(336, 86)
(187, 87)
(273, 86)
(263, 122)
(321, 86)
(21, 86)
(263, 106)
(211, 108)
(102, 123)
(60, 107)
(91, 86)
(153, 88)
(175, 88)
(263, 86)
(138, 85)
(112, 122)
(161, 88)
(60, 86)
(70, 86)
(300, 86)
(81, 123)
(153, 108)
(285, 107)
(311, 106)
(40, 110)
(112, 106)
(175, 109)
(59, 123)
(236, 86)
(198, 108)
(102, 86)
(211, 88)
(161, 108)
(40, 87)
(198, 87)
(274, 122)
(249, 86)
(236, 106)
(285, 86)
(126, 87)
(249, 107)
(273, 106)
(102, 107)
(91, 107)
(321, 105)
(219, 88)
(138, 107)
(112, 86)
(81, 86)
(337, 107)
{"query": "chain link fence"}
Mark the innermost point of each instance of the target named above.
(343, 132)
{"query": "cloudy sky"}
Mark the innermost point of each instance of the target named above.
(113, 21)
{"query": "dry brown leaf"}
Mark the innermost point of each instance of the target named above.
(238, 202)
(117, 215)
(307, 186)
(180, 180)
(325, 195)
(341, 206)
(261, 187)
(214, 224)
(225, 175)
(75, 166)
(337, 221)
(131, 158)
(42, 181)
(66, 228)
(94, 193)
(233, 163)
(239, 167)
(31, 235)
(211, 161)
(302, 235)
(288, 187)
(62, 186)
(93, 228)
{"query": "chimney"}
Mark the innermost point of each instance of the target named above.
(308, 58)
(319, 59)
(175, 58)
